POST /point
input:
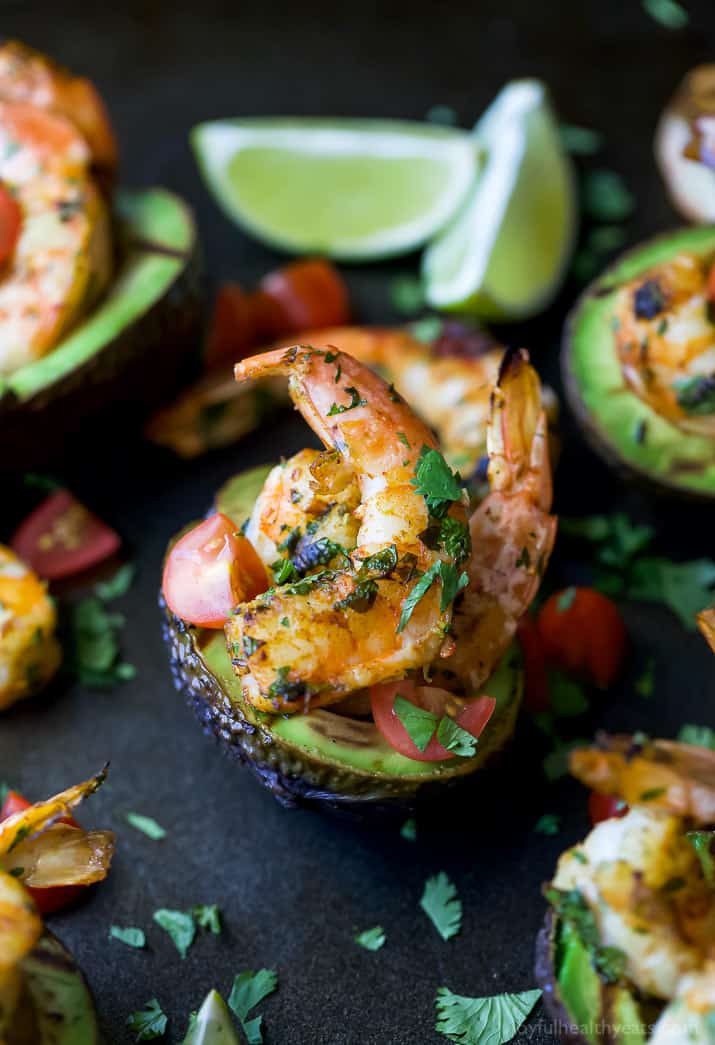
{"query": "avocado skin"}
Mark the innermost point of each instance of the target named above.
(594, 432)
(293, 782)
(143, 365)
(545, 973)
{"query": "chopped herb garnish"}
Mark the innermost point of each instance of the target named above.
(94, 649)
(360, 599)
(420, 724)
(149, 1022)
(645, 683)
(652, 793)
(117, 585)
(567, 698)
(436, 482)
(409, 830)
(147, 825)
(285, 623)
(403, 439)
(130, 936)
(442, 905)
(407, 294)
(249, 989)
(572, 908)
(283, 571)
(179, 925)
(548, 824)
(686, 588)
(454, 538)
(452, 737)
(701, 736)
(696, 395)
(207, 916)
(427, 330)
(288, 544)
(318, 553)
(371, 939)
(581, 141)
(702, 843)
(668, 13)
(605, 196)
(355, 401)
(492, 1020)
(250, 645)
(524, 559)
(283, 689)
(452, 583)
(566, 599)
(382, 562)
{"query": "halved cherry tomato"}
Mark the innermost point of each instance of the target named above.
(306, 294)
(583, 632)
(54, 897)
(473, 718)
(536, 685)
(62, 537)
(605, 807)
(10, 224)
(240, 322)
(209, 571)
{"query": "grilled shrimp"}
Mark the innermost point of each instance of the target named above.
(29, 76)
(364, 622)
(512, 532)
(666, 341)
(706, 623)
(20, 929)
(62, 259)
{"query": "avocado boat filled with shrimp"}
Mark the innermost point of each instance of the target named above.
(345, 620)
(94, 283)
(627, 954)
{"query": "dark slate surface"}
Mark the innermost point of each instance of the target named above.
(295, 886)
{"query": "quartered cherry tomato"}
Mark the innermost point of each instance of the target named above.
(62, 537)
(53, 897)
(306, 294)
(10, 224)
(473, 718)
(536, 685)
(239, 323)
(209, 571)
(605, 807)
(583, 632)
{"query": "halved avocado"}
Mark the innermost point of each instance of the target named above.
(619, 425)
(324, 757)
(585, 1010)
(130, 348)
(56, 1007)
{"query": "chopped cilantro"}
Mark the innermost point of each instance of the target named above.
(283, 689)
(492, 1020)
(652, 794)
(382, 562)
(696, 395)
(524, 559)
(408, 831)
(94, 646)
(454, 538)
(442, 905)
(567, 698)
(407, 294)
(606, 238)
(117, 585)
(668, 13)
(452, 737)
(285, 623)
(360, 599)
(355, 401)
(403, 439)
(702, 843)
(130, 936)
(618, 541)
(147, 825)
(207, 916)
(701, 736)
(606, 197)
(684, 587)
(418, 592)
(645, 683)
(452, 583)
(565, 599)
(283, 571)
(250, 645)
(581, 141)
(548, 824)
(371, 939)
(249, 989)
(179, 925)
(420, 724)
(288, 544)
(427, 330)
(436, 482)
(149, 1022)
(572, 908)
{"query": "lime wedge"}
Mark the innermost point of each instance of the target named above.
(351, 189)
(212, 1024)
(504, 254)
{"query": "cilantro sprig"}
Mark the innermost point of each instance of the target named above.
(371, 939)
(482, 1021)
(149, 1022)
(436, 482)
(442, 905)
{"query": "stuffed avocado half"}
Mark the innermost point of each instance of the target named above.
(345, 620)
(626, 954)
(638, 361)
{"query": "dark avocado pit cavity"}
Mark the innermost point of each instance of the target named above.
(624, 429)
(56, 1006)
(324, 755)
(586, 1010)
(142, 328)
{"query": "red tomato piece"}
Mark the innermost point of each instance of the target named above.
(306, 294)
(10, 224)
(605, 807)
(53, 898)
(61, 537)
(536, 686)
(209, 571)
(240, 322)
(583, 632)
(473, 718)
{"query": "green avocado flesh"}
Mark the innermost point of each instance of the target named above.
(622, 427)
(156, 230)
(326, 750)
(56, 1007)
(589, 1003)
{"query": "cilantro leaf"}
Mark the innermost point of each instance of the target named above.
(618, 540)
(408, 831)
(442, 905)
(452, 737)
(249, 989)
(645, 683)
(684, 587)
(407, 294)
(342, 408)
(701, 736)
(371, 939)
(147, 825)
(702, 843)
(548, 824)
(580, 141)
(573, 909)
(179, 925)
(420, 724)
(565, 599)
(696, 395)
(482, 1021)
(426, 330)
(94, 644)
(668, 13)
(130, 936)
(567, 698)
(452, 583)
(420, 589)
(207, 916)
(436, 482)
(606, 197)
(149, 1022)
(117, 585)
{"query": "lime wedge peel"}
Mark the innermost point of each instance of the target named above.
(504, 254)
(212, 1024)
(348, 188)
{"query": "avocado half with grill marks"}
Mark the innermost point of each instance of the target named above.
(322, 758)
(129, 349)
(623, 427)
(56, 1005)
